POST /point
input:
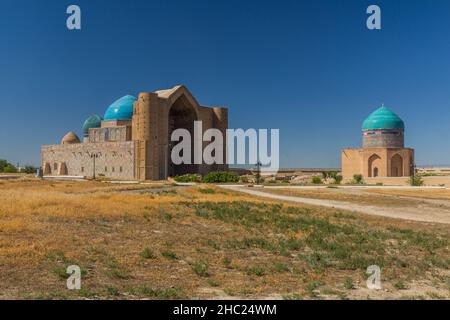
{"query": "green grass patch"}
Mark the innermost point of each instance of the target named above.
(169, 255)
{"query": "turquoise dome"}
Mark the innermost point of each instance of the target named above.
(94, 121)
(120, 109)
(383, 118)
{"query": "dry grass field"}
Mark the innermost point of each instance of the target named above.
(165, 242)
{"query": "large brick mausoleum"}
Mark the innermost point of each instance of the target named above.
(383, 153)
(132, 140)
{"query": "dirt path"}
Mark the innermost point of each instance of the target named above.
(423, 213)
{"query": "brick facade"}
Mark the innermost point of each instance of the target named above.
(139, 148)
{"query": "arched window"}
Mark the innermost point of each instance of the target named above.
(375, 172)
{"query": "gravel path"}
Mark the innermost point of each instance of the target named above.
(423, 213)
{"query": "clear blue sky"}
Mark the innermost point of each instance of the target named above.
(310, 68)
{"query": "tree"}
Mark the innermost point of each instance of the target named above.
(3, 164)
(7, 167)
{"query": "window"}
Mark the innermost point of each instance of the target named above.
(55, 166)
(106, 169)
(120, 169)
(82, 169)
(112, 169)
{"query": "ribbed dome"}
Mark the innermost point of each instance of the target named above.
(120, 109)
(383, 118)
(70, 138)
(94, 121)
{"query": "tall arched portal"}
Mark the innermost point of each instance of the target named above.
(374, 165)
(181, 116)
(397, 166)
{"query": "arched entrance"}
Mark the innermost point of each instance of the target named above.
(374, 165)
(375, 172)
(181, 116)
(396, 166)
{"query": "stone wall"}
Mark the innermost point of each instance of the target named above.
(115, 159)
(364, 161)
(383, 139)
(122, 133)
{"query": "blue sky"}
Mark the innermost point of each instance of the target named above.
(310, 68)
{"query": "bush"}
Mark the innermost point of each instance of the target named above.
(9, 168)
(29, 169)
(338, 179)
(329, 174)
(220, 177)
(316, 180)
(188, 178)
(358, 178)
(147, 253)
(200, 268)
(416, 181)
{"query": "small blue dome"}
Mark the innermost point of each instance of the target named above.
(120, 109)
(94, 121)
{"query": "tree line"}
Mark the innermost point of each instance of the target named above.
(6, 167)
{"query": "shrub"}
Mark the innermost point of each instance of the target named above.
(9, 168)
(147, 253)
(226, 262)
(200, 268)
(358, 178)
(188, 178)
(329, 174)
(348, 283)
(338, 179)
(400, 285)
(169, 255)
(257, 271)
(416, 181)
(316, 180)
(221, 177)
(213, 283)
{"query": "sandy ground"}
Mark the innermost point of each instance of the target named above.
(435, 211)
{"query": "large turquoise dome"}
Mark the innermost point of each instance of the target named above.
(94, 121)
(120, 109)
(383, 118)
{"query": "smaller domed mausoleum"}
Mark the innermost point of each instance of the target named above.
(383, 153)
